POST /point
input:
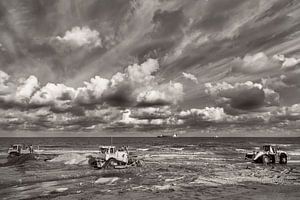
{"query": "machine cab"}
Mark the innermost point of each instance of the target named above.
(15, 148)
(269, 148)
(107, 152)
(107, 149)
(18, 149)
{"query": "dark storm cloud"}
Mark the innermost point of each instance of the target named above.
(152, 113)
(120, 96)
(243, 96)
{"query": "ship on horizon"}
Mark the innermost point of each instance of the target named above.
(167, 136)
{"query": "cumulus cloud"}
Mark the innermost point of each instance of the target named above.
(57, 96)
(260, 62)
(165, 94)
(291, 113)
(275, 83)
(79, 37)
(127, 119)
(142, 73)
(214, 114)
(287, 62)
(242, 96)
(44, 119)
(147, 117)
(190, 77)
(16, 92)
(152, 113)
(3, 82)
(165, 117)
(255, 63)
(136, 87)
(93, 91)
(26, 89)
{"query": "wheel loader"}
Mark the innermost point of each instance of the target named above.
(268, 154)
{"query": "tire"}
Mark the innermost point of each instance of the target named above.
(273, 159)
(283, 159)
(266, 159)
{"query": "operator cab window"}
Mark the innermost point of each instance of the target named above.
(112, 150)
(103, 150)
(266, 148)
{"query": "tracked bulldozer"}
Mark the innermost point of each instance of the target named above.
(109, 157)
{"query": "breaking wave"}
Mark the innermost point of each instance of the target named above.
(242, 150)
(294, 153)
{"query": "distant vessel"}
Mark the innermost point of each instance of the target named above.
(167, 136)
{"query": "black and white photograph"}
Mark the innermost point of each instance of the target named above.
(149, 99)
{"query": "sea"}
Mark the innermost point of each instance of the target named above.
(172, 168)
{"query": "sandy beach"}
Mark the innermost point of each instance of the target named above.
(207, 170)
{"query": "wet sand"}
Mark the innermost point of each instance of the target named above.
(168, 173)
(182, 168)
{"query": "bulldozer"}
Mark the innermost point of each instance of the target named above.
(19, 149)
(268, 154)
(109, 157)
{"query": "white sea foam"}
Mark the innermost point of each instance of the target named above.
(163, 187)
(61, 189)
(294, 153)
(241, 150)
(177, 149)
(140, 149)
(106, 180)
(72, 159)
(282, 145)
(293, 161)
(173, 179)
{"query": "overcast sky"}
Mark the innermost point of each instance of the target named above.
(105, 66)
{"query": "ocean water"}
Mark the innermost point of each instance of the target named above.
(176, 168)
